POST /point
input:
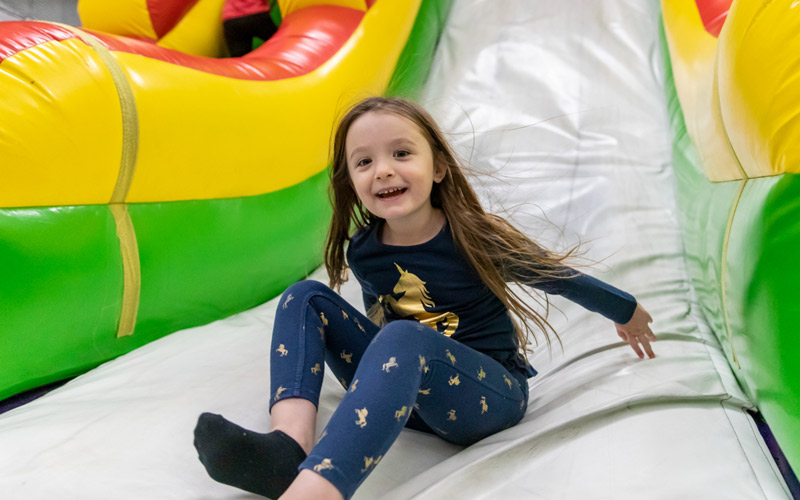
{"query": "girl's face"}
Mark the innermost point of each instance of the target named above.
(391, 166)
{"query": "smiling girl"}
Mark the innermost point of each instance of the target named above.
(438, 352)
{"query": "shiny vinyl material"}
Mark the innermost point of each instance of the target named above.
(560, 109)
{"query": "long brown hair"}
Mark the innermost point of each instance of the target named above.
(498, 252)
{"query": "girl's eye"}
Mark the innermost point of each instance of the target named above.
(363, 162)
(402, 153)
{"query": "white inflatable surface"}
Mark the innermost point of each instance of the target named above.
(561, 105)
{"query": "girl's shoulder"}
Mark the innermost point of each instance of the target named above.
(363, 234)
(363, 238)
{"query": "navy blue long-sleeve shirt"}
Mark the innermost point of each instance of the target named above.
(433, 284)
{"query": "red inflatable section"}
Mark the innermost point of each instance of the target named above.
(713, 13)
(16, 36)
(165, 14)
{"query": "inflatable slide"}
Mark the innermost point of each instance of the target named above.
(560, 110)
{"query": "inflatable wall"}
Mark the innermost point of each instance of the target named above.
(735, 106)
(150, 185)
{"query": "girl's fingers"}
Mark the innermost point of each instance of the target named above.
(647, 348)
(634, 343)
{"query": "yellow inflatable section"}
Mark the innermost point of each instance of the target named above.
(171, 114)
(739, 93)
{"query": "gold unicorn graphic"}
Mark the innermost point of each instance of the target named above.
(450, 356)
(414, 300)
(484, 406)
(369, 463)
(278, 392)
(389, 364)
(348, 358)
(421, 362)
(353, 385)
(288, 299)
(507, 381)
(282, 350)
(325, 464)
(451, 415)
(481, 374)
(426, 392)
(323, 318)
(454, 380)
(362, 417)
(402, 412)
(316, 369)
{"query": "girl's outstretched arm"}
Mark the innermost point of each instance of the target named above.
(637, 331)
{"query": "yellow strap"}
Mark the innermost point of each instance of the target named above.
(129, 248)
(130, 117)
(132, 281)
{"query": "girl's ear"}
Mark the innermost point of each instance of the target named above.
(439, 168)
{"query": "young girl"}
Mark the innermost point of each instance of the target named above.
(439, 352)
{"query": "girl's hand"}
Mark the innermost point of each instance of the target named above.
(636, 331)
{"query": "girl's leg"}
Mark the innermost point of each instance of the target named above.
(462, 394)
(313, 325)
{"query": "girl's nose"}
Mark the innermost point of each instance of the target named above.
(383, 170)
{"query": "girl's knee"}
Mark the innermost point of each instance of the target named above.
(405, 335)
(303, 289)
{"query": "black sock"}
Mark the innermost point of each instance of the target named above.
(265, 464)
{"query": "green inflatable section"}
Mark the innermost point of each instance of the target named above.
(742, 240)
(200, 261)
(61, 272)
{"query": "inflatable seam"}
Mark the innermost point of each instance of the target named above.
(131, 267)
(724, 268)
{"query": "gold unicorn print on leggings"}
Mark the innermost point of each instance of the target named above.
(454, 380)
(282, 350)
(410, 298)
(507, 381)
(325, 464)
(370, 462)
(392, 363)
(278, 392)
(451, 415)
(481, 374)
(348, 358)
(288, 299)
(484, 406)
(353, 385)
(402, 412)
(361, 421)
(323, 318)
(316, 369)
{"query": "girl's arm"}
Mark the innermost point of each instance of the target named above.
(630, 318)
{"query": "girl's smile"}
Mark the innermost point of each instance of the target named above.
(392, 170)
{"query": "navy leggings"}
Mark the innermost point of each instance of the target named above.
(403, 372)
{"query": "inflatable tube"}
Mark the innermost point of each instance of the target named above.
(735, 109)
(147, 190)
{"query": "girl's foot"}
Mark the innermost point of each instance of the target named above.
(265, 464)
